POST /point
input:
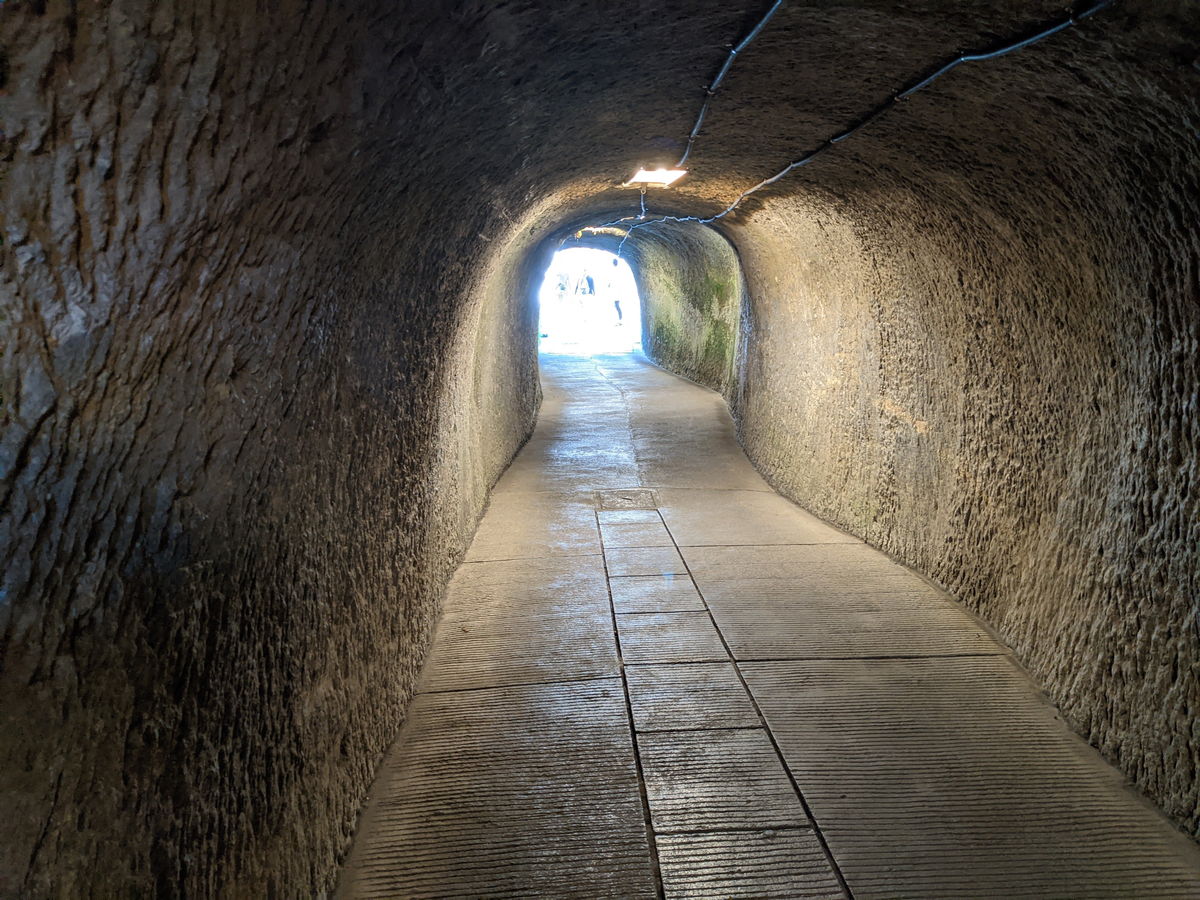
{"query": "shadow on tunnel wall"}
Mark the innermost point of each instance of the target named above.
(256, 388)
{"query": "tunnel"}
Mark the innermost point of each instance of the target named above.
(268, 281)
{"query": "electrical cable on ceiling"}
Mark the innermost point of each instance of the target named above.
(903, 94)
(716, 82)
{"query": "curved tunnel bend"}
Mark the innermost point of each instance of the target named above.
(268, 344)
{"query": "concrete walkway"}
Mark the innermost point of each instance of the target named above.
(654, 676)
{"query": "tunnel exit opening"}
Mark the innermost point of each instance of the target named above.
(588, 304)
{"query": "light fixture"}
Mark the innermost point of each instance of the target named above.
(602, 229)
(655, 177)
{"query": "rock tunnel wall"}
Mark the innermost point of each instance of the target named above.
(995, 380)
(250, 419)
(691, 316)
(264, 284)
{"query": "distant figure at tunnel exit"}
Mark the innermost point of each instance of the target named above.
(612, 288)
(586, 284)
(586, 296)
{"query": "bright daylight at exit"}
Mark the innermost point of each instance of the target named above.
(589, 305)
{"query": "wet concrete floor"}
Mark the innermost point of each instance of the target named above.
(656, 677)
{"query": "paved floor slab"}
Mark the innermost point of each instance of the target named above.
(524, 525)
(627, 516)
(528, 791)
(807, 585)
(669, 638)
(628, 499)
(955, 778)
(682, 696)
(682, 434)
(582, 442)
(725, 518)
(644, 561)
(784, 863)
(527, 587)
(636, 534)
(655, 593)
(786, 561)
(760, 628)
(557, 465)
(520, 650)
(716, 780)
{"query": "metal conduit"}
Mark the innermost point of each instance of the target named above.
(877, 112)
(716, 82)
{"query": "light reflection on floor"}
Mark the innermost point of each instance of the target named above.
(581, 319)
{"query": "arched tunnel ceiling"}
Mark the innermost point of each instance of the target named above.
(606, 90)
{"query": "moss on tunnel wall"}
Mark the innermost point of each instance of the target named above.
(691, 289)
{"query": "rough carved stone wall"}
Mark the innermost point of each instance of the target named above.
(266, 343)
(242, 450)
(692, 285)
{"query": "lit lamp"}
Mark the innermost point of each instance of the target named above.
(655, 177)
